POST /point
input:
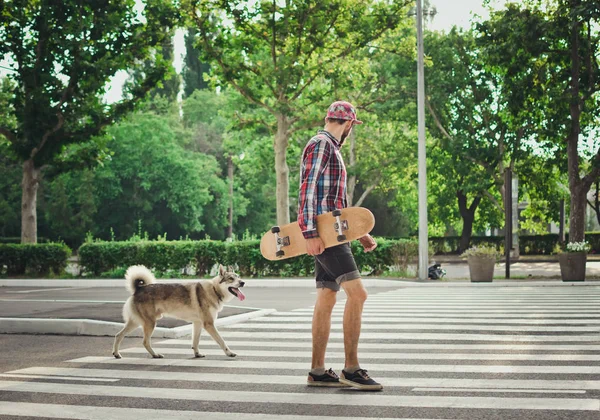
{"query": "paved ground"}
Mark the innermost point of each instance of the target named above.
(466, 352)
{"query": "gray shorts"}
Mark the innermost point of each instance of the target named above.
(334, 266)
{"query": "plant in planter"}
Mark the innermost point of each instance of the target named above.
(572, 261)
(482, 260)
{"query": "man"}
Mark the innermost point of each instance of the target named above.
(323, 189)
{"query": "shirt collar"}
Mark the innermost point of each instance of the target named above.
(335, 141)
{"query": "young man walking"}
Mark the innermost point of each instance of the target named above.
(323, 189)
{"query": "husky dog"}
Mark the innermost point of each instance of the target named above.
(198, 302)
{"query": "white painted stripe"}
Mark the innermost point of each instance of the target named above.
(163, 375)
(444, 314)
(396, 356)
(479, 306)
(471, 300)
(47, 290)
(496, 391)
(260, 335)
(372, 400)
(65, 411)
(393, 346)
(367, 319)
(64, 378)
(400, 310)
(391, 367)
(422, 326)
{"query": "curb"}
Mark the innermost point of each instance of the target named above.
(279, 283)
(106, 328)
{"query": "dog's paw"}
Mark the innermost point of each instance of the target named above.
(198, 355)
(117, 355)
(230, 353)
(158, 356)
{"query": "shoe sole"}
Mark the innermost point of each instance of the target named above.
(327, 384)
(361, 386)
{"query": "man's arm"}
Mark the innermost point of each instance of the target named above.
(316, 159)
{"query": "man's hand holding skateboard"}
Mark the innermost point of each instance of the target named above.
(315, 246)
(368, 243)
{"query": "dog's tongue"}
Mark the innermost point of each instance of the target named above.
(240, 295)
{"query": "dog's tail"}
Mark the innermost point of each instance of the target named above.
(138, 276)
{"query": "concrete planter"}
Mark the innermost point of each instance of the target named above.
(572, 265)
(481, 269)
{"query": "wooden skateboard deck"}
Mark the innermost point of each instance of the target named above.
(287, 241)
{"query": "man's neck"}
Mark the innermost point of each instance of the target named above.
(336, 130)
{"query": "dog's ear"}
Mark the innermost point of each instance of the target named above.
(222, 270)
(230, 268)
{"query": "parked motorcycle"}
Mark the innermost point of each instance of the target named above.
(436, 272)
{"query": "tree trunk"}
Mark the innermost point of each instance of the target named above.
(577, 216)
(230, 177)
(282, 170)
(468, 217)
(29, 186)
(576, 187)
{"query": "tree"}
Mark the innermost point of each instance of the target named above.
(63, 55)
(287, 57)
(549, 54)
(470, 115)
(193, 68)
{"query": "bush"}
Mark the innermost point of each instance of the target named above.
(200, 256)
(33, 259)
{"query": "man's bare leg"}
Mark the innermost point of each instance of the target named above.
(321, 325)
(356, 297)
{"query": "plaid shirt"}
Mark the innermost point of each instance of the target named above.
(322, 181)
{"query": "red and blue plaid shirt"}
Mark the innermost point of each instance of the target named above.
(322, 181)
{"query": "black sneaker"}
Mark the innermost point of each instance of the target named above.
(329, 378)
(361, 380)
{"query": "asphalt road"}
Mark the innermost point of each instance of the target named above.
(465, 352)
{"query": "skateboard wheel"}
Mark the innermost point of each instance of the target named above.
(279, 254)
(336, 213)
(341, 238)
(275, 229)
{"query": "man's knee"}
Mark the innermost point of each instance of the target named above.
(355, 291)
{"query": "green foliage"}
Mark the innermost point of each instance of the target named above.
(199, 257)
(36, 260)
(193, 68)
(482, 251)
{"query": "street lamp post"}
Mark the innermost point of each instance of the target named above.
(423, 231)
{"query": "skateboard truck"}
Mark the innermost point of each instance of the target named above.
(339, 225)
(280, 241)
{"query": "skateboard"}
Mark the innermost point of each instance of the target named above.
(335, 228)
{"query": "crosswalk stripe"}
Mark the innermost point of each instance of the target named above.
(398, 356)
(459, 321)
(243, 364)
(303, 398)
(394, 346)
(419, 326)
(300, 379)
(400, 310)
(262, 335)
(27, 376)
(66, 411)
(440, 315)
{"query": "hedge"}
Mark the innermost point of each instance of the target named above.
(198, 257)
(34, 259)
(528, 244)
